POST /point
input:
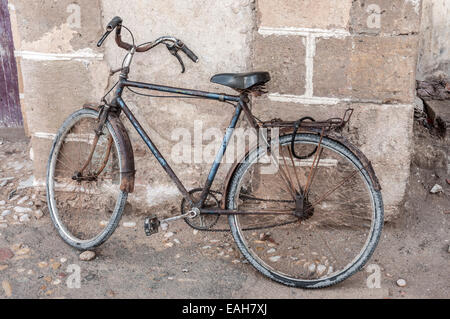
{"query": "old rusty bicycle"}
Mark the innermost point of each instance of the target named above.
(311, 222)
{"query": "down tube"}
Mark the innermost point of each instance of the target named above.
(221, 153)
(154, 150)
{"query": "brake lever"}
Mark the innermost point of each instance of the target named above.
(174, 51)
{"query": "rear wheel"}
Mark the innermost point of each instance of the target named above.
(327, 215)
(84, 197)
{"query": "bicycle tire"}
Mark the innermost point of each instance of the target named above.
(116, 215)
(261, 266)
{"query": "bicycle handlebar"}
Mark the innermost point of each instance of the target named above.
(188, 52)
(116, 23)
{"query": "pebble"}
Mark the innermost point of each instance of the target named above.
(321, 270)
(56, 282)
(177, 241)
(170, 245)
(42, 264)
(236, 261)
(23, 200)
(185, 270)
(271, 251)
(312, 268)
(129, 224)
(168, 235)
(6, 213)
(195, 232)
(24, 218)
(330, 270)
(87, 256)
(12, 197)
(22, 210)
(56, 266)
(23, 251)
(63, 260)
(7, 288)
(275, 258)
(104, 223)
(38, 214)
(2, 203)
(206, 247)
(401, 283)
(437, 189)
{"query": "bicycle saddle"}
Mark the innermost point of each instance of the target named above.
(241, 81)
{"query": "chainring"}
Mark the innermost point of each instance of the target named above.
(201, 222)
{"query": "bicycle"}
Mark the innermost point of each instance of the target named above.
(311, 223)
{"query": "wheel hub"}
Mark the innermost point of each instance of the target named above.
(303, 208)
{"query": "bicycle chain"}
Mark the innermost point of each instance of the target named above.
(245, 229)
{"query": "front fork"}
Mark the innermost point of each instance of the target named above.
(79, 175)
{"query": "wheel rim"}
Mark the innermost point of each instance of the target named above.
(84, 211)
(302, 259)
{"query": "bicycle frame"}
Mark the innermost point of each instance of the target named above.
(241, 106)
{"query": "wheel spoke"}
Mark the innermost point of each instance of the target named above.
(81, 206)
(330, 228)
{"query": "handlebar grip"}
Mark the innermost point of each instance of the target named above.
(100, 43)
(189, 53)
(114, 23)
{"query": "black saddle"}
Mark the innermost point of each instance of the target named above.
(241, 81)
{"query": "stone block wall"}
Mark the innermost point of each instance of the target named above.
(327, 56)
(434, 57)
(324, 56)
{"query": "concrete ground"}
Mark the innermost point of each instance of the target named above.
(36, 263)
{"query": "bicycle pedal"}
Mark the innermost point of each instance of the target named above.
(151, 225)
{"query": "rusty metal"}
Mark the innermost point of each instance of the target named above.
(331, 127)
(295, 171)
(314, 164)
(91, 154)
(363, 158)
(127, 169)
(331, 191)
(106, 159)
(240, 212)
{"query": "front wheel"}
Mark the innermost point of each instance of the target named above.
(323, 216)
(83, 186)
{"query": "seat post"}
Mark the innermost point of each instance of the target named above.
(245, 102)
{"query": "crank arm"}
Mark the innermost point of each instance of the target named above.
(192, 214)
(152, 224)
